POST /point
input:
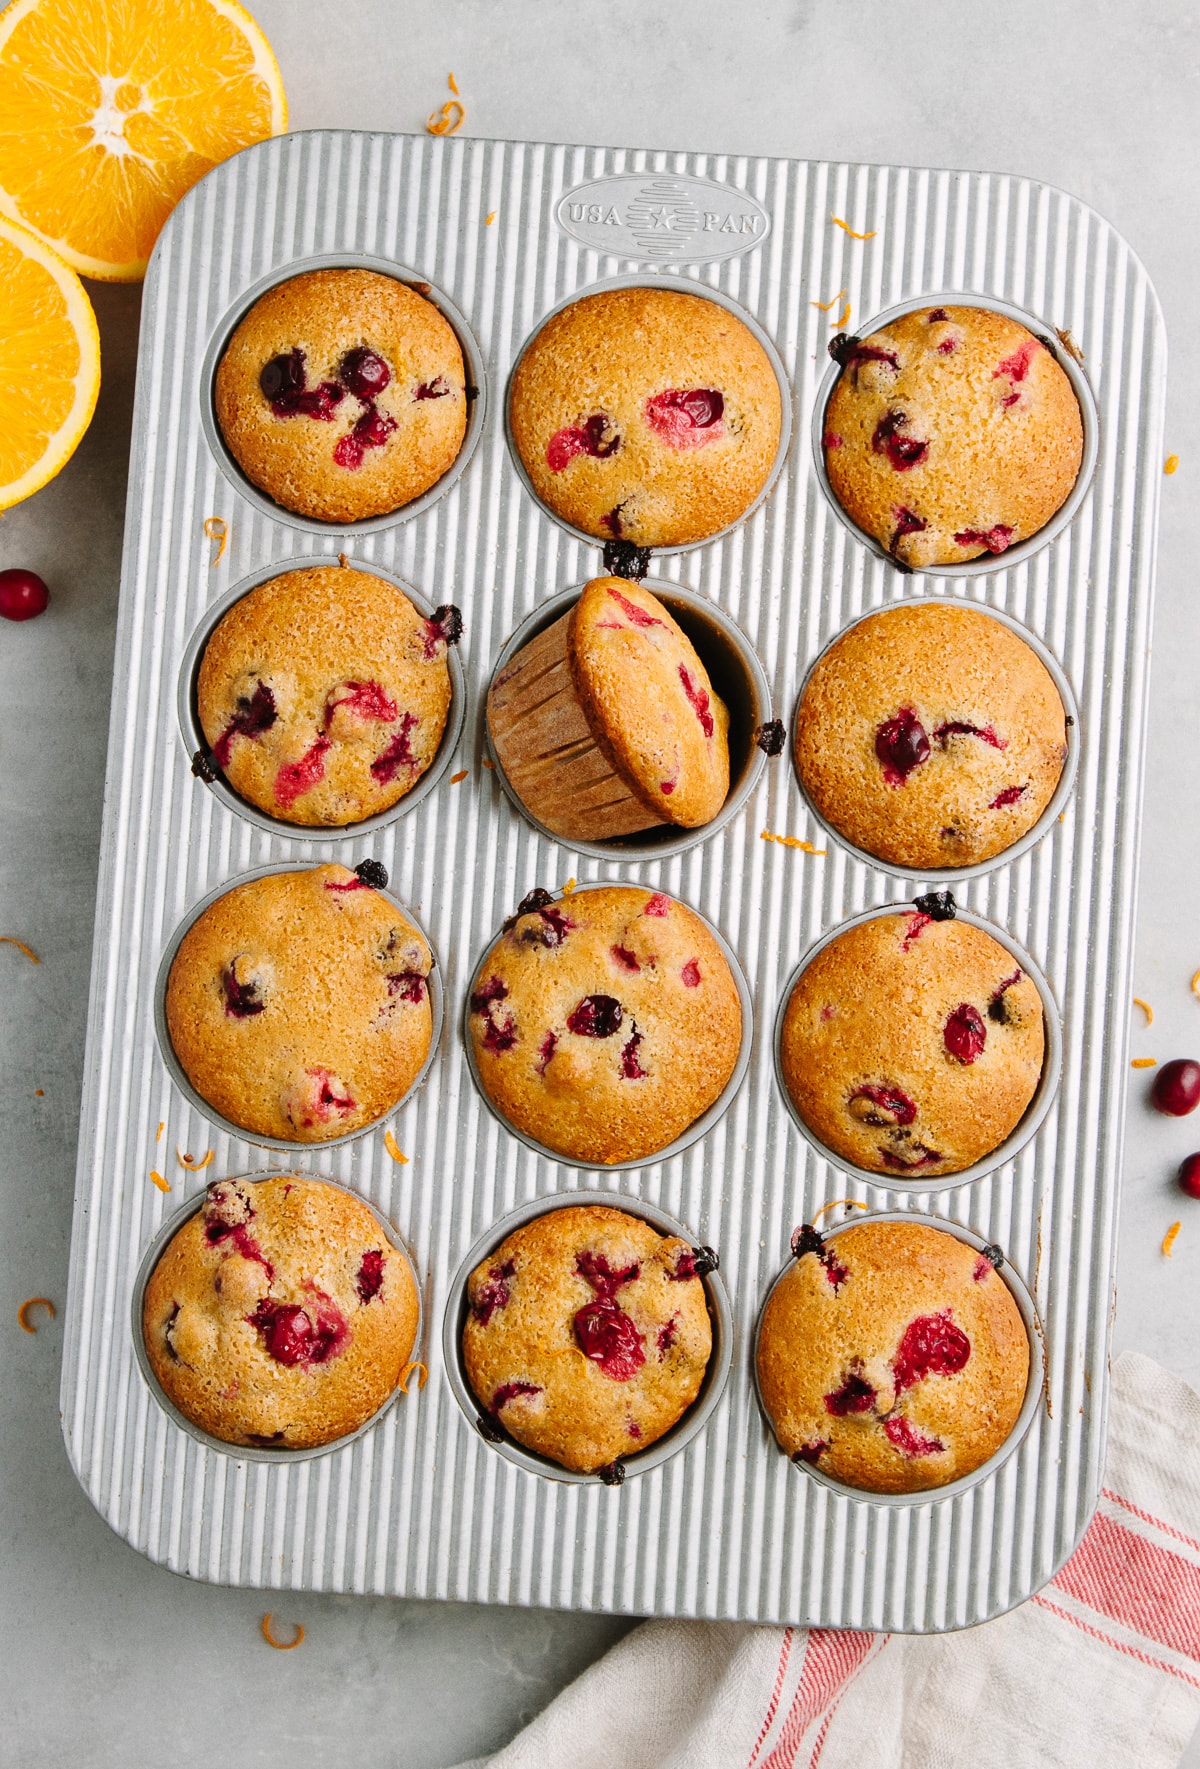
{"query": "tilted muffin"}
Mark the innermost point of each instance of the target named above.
(951, 433)
(646, 415)
(931, 735)
(605, 1023)
(280, 1313)
(342, 394)
(298, 1004)
(323, 694)
(607, 722)
(891, 1356)
(912, 1046)
(587, 1334)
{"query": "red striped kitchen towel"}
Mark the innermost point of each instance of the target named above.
(1100, 1670)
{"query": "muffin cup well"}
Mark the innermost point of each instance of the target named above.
(991, 563)
(671, 1442)
(1034, 1388)
(681, 286)
(698, 1128)
(1058, 800)
(257, 1452)
(193, 732)
(736, 674)
(473, 363)
(177, 1072)
(1035, 1112)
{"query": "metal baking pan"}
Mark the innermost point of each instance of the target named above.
(502, 232)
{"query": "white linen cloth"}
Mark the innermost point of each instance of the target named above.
(1099, 1670)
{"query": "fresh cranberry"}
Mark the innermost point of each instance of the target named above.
(597, 436)
(854, 1396)
(370, 1275)
(882, 1106)
(812, 1451)
(901, 745)
(255, 714)
(283, 383)
(965, 1033)
(294, 779)
(932, 1346)
(631, 1068)
(22, 594)
(698, 701)
(364, 372)
(438, 388)
(962, 728)
(1189, 1176)
(398, 753)
(1176, 1089)
(995, 539)
(908, 1440)
(609, 1338)
(1008, 795)
(904, 452)
(283, 377)
(640, 617)
(907, 522)
(493, 1293)
(511, 1391)
(685, 418)
(596, 1016)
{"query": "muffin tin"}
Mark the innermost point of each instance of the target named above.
(420, 1505)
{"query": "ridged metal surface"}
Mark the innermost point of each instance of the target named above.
(420, 1506)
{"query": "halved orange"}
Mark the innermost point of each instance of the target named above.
(49, 363)
(112, 109)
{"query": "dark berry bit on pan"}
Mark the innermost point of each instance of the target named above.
(613, 1474)
(531, 902)
(488, 1428)
(811, 1452)
(695, 1262)
(623, 559)
(373, 873)
(937, 905)
(770, 737)
(806, 1239)
(203, 768)
(851, 352)
(446, 625)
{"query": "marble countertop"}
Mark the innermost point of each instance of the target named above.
(110, 1660)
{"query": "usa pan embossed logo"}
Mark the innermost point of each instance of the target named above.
(663, 218)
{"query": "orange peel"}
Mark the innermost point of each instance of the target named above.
(1146, 1009)
(9, 940)
(1170, 464)
(158, 1179)
(843, 319)
(1144, 1062)
(393, 1148)
(461, 775)
(792, 841)
(217, 529)
(281, 1645)
(34, 1302)
(1169, 1239)
(1196, 983)
(407, 1371)
(194, 1166)
(444, 122)
(569, 887)
(846, 228)
(162, 1125)
(489, 218)
(833, 1204)
(453, 85)
(828, 306)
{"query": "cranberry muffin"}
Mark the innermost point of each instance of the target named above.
(280, 1313)
(891, 1356)
(342, 394)
(323, 694)
(931, 735)
(606, 1023)
(587, 1334)
(298, 1004)
(951, 433)
(912, 1046)
(646, 415)
(607, 723)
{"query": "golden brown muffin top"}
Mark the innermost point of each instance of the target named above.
(951, 433)
(587, 1335)
(323, 694)
(606, 1023)
(298, 1004)
(892, 1357)
(649, 701)
(931, 735)
(280, 1313)
(911, 1046)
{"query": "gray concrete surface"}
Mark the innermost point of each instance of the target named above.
(105, 1659)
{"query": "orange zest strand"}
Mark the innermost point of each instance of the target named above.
(490, 766)
(407, 1371)
(217, 529)
(444, 122)
(850, 1203)
(843, 319)
(453, 85)
(792, 841)
(489, 218)
(846, 228)
(828, 306)
(1196, 983)
(393, 1148)
(1170, 464)
(461, 775)
(8, 940)
(1169, 1239)
(1144, 1062)
(34, 1302)
(162, 1125)
(1146, 1009)
(281, 1645)
(191, 1165)
(164, 1185)
(568, 887)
